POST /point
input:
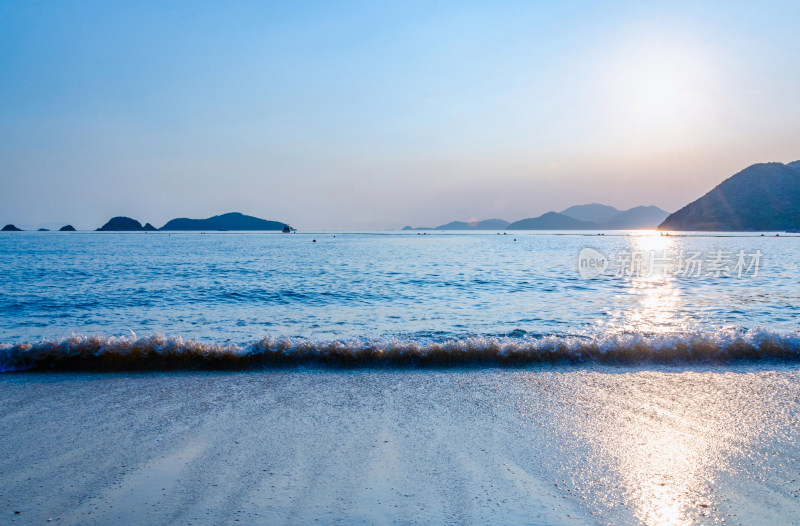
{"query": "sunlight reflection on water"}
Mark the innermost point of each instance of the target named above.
(660, 446)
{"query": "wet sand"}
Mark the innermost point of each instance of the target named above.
(547, 445)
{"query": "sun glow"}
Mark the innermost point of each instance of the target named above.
(657, 90)
(651, 240)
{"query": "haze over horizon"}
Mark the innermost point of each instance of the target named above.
(359, 116)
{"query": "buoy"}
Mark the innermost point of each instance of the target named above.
(313, 240)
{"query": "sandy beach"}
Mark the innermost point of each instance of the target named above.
(538, 446)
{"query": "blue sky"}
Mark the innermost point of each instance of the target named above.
(362, 115)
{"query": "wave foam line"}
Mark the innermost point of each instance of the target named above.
(159, 352)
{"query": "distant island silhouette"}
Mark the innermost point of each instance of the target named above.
(230, 221)
(592, 216)
(125, 224)
(764, 196)
(591, 213)
(13, 228)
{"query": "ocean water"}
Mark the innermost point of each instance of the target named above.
(390, 297)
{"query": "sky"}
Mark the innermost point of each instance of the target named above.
(373, 115)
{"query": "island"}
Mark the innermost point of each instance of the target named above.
(230, 221)
(593, 216)
(125, 224)
(224, 222)
(11, 228)
(763, 197)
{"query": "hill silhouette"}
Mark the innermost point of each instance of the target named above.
(230, 221)
(591, 213)
(121, 224)
(486, 224)
(594, 216)
(763, 196)
(636, 218)
(551, 221)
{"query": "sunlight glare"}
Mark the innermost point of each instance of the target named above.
(660, 90)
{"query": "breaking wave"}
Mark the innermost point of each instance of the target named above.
(159, 352)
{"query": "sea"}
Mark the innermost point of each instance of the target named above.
(392, 298)
(400, 377)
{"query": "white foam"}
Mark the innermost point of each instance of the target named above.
(161, 352)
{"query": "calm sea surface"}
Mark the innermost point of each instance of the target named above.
(239, 287)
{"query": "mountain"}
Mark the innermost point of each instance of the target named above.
(417, 228)
(486, 224)
(231, 221)
(11, 228)
(609, 218)
(121, 224)
(592, 213)
(764, 196)
(592, 216)
(637, 218)
(551, 221)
